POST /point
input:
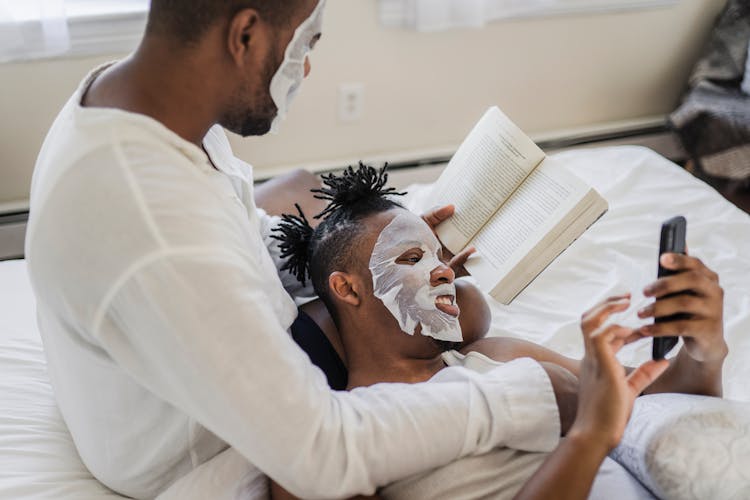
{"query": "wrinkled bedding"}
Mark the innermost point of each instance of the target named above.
(38, 459)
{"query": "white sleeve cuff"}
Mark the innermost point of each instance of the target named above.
(521, 402)
(533, 407)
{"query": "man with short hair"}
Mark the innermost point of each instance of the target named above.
(164, 320)
(396, 315)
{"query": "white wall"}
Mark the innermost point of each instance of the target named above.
(423, 91)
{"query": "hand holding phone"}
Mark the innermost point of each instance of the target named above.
(673, 233)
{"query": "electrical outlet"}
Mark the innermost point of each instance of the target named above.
(351, 101)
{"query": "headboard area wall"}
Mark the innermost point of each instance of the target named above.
(421, 92)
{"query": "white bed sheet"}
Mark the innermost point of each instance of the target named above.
(619, 253)
(37, 456)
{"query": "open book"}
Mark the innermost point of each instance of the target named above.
(517, 207)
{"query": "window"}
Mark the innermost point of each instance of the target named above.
(434, 15)
(32, 29)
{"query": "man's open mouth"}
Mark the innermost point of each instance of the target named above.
(447, 304)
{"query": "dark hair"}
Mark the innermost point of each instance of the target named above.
(188, 20)
(352, 195)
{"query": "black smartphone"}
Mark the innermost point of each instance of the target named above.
(672, 241)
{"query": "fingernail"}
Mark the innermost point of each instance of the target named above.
(647, 329)
(648, 291)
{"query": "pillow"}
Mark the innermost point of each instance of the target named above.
(688, 447)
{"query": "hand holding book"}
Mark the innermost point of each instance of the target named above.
(434, 218)
(517, 207)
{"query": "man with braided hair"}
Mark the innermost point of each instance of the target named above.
(164, 319)
(395, 311)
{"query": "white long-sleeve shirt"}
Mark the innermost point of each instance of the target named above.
(165, 325)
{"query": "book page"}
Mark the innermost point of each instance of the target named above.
(491, 163)
(542, 201)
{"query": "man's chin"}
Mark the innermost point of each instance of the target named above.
(443, 345)
(251, 128)
(256, 129)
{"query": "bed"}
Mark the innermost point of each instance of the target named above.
(37, 456)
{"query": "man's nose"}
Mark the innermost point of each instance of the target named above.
(307, 66)
(442, 274)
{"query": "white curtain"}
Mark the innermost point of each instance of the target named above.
(31, 29)
(435, 15)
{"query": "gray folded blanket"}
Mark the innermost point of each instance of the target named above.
(713, 121)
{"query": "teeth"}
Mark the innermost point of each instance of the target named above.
(445, 299)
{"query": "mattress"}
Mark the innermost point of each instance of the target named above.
(618, 253)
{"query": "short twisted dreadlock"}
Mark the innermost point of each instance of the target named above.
(352, 195)
(352, 187)
(294, 235)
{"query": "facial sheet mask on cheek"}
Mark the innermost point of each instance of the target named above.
(405, 289)
(288, 78)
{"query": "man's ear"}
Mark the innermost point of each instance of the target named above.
(344, 287)
(243, 35)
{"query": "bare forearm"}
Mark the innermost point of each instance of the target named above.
(688, 376)
(568, 472)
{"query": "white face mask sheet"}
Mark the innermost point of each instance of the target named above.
(405, 289)
(289, 77)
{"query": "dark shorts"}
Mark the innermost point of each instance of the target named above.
(308, 335)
